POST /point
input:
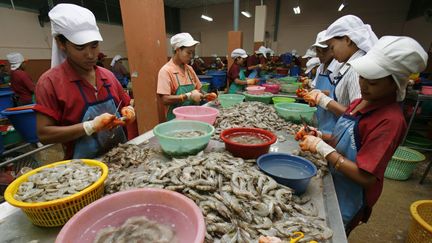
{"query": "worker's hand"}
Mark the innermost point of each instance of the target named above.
(251, 81)
(102, 122)
(210, 96)
(312, 131)
(316, 145)
(196, 96)
(128, 112)
(313, 97)
(316, 97)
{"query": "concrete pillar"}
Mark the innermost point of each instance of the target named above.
(260, 24)
(144, 30)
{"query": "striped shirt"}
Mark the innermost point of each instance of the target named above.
(348, 87)
(331, 70)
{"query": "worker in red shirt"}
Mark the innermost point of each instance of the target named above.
(21, 83)
(256, 61)
(77, 101)
(237, 73)
(368, 133)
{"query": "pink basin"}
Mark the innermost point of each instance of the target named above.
(196, 113)
(255, 90)
(272, 88)
(164, 206)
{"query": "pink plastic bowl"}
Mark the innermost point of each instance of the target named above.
(255, 90)
(272, 88)
(164, 206)
(196, 113)
(426, 90)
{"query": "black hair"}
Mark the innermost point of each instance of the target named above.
(62, 38)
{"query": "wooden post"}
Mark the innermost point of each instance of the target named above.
(235, 40)
(144, 30)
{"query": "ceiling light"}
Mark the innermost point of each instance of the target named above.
(246, 14)
(342, 6)
(208, 18)
(297, 10)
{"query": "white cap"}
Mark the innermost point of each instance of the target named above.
(115, 59)
(309, 53)
(270, 51)
(15, 59)
(320, 39)
(313, 62)
(76, 23)
(398, 56)
(353, 27)
(238, 53)
(294, 52)
(261, 50)
(183, 39)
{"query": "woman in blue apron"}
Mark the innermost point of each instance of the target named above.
(78, 102)
(348, 38)
(178, 84)
(368, 133)
(237, 74)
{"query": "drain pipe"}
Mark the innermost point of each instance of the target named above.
(236, 14)
(276, 24)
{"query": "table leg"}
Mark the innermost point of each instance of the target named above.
(411, 120)
(426, 172)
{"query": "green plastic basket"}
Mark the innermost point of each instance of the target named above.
(11, 137)
(265, 98)
(403, 163)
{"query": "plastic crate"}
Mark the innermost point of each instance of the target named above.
(421, 224)
(403, 163)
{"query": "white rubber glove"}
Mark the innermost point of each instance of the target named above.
(196, 96)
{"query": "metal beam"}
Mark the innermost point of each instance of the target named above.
(236, 14)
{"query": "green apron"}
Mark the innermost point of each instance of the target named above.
(182, 89)
(234, 88)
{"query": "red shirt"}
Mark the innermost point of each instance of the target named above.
(381, 129)
(58, 95)
(252, 60)
(22, 85)
(233, 73)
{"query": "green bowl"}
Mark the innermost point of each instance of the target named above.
(228, 100)
(287, 80)
(205, 87)
(265, 98)
(277, 100)
(291, 88)
(418, 140)
(293, 111)
(175, 146)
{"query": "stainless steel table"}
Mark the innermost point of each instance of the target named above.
(15, 227)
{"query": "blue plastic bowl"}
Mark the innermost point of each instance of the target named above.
(289, 170)
(24, 121)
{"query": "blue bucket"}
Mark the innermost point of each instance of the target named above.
(205, 78)
(295, 71)
(218, 80)
(6, 89)
(6, 100)
(24, 121)
(292, 171)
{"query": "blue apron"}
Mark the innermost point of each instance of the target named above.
(326, 119)
(349, 193)
(100, 142)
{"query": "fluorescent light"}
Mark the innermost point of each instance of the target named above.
(246, 14)
(296, 10)
(342, 6)
(206, 17)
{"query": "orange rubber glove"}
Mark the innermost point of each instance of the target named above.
(102, 122)
(316, 145)
(313, 97)
(128, 112)
(312, 131)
